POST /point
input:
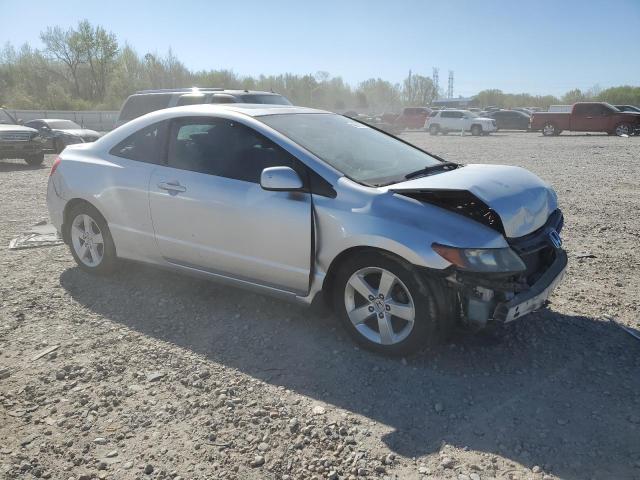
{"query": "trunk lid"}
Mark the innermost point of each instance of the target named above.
(521, 199)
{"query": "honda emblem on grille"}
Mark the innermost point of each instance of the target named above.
(555, 239)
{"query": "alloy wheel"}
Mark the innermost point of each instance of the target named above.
(379, 305)
(622, 129)
(87, 240)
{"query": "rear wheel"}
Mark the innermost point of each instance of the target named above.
(387, 307)
(550, 130)
(90, 239)
(34, 160)
(476, 130)
(434, 129)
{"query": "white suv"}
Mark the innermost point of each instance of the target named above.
(446, 121)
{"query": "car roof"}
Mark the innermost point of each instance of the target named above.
(249, 109)
(196, 90)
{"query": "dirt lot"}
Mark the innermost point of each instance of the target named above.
(162, 376)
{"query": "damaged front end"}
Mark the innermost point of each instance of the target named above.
(513, 289)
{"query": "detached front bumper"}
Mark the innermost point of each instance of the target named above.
(537, 295)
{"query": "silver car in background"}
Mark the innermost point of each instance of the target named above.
(306, 204)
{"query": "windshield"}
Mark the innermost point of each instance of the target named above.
(63, 124)
(5, 118)
(358, 151)
(270, 99)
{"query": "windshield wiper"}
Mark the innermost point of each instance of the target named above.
(432, 168)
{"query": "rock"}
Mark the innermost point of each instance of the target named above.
(148, 469)
(447, 462)
(333, 475)
(28, 439)
(112, 453)
(155, 376)
(100, 441)
(474, 476)
(536, 469)
(318, 410)
(102, 466)
(438, 407)
(294, 425)
(127, 465)
(257, 461)
(4, 373)
(263, 446)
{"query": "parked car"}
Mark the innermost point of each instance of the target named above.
(510, 119)
(628, 108)
(412, 118)
(147, 101)
(446, 121)
(18, 141)
(587, 117)
(305, 205)
(59, 133)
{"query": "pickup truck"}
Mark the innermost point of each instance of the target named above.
(17, 141)
(587, 117)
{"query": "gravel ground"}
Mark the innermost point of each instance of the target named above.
(155, 375)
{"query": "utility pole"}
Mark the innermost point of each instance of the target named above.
(450, 87)
(436, 81)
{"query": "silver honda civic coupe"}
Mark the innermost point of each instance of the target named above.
(309, 205)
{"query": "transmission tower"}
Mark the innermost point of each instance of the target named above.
(436, 81)
(450, 87)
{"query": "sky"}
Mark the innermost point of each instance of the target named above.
(541, 47)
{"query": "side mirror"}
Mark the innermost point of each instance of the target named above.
(280, 179)
(20, 121)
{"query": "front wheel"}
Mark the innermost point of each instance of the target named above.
(35, 160)
(90, 240)
(623, 129)
(387, 307)
(434, 129)
(476, 130)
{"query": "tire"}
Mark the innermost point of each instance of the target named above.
(434, 129)
(58, 146)
(623, 129)
(35, 160)
(550, 130)
(476, 130)
(423, 304)
(100, 257)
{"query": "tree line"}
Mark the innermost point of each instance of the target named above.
(86, 67)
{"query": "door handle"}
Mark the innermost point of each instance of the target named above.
(172, 187)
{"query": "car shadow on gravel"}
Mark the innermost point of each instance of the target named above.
(553, 390)
(8, 166)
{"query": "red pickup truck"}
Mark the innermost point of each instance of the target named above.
(587, 117)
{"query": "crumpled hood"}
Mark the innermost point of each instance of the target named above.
(521, 199)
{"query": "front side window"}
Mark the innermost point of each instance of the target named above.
(144, 146)
(358, 151)
(5, 118)
(223, 148)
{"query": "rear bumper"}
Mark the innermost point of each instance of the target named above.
(55, 205)
(535, 297)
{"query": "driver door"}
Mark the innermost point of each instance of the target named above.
(210, 213)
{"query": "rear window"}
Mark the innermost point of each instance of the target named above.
(138, 105)
(263, 98)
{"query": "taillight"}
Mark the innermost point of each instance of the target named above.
(56, 162)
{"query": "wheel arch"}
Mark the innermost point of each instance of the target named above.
(70, 205)
(329, 280)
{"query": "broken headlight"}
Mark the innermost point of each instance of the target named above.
(485, 260)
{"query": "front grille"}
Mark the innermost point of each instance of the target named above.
(536, 250)
(15, 136)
